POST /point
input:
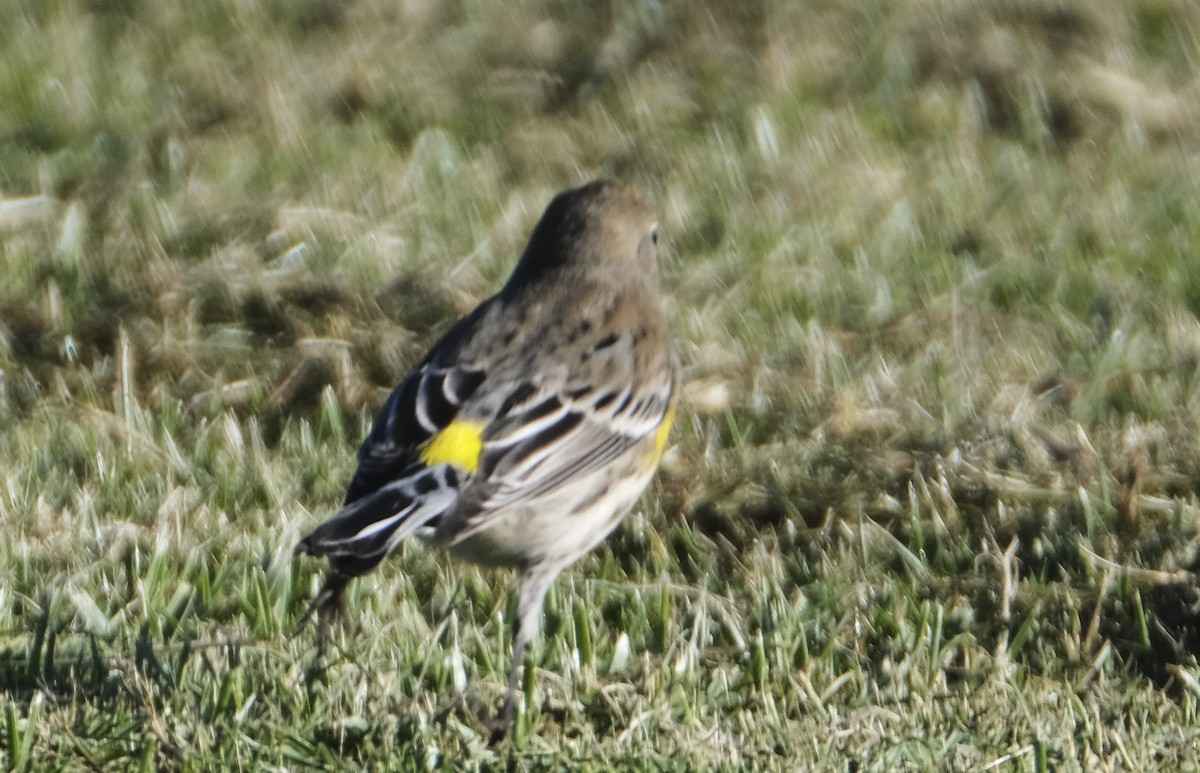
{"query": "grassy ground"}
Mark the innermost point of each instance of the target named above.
(932, 499)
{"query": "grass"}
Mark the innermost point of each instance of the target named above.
(931, 503)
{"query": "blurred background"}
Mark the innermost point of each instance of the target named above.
(930, 267)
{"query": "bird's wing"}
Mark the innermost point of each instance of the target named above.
(541, 439)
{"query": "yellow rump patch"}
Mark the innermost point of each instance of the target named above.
(459, 444)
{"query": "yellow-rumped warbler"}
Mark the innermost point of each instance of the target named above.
(528, 432)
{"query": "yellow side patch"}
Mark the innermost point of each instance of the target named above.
(459, 444)
(664, 429)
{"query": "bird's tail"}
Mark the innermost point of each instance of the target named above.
(367, 530)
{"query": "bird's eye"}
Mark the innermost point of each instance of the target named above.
(654, 233)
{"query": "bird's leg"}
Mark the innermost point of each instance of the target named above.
(534, 582)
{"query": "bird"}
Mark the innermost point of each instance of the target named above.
(532, 427)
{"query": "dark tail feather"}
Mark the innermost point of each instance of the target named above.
(348, 558)
(342, 537)
(365, 531)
